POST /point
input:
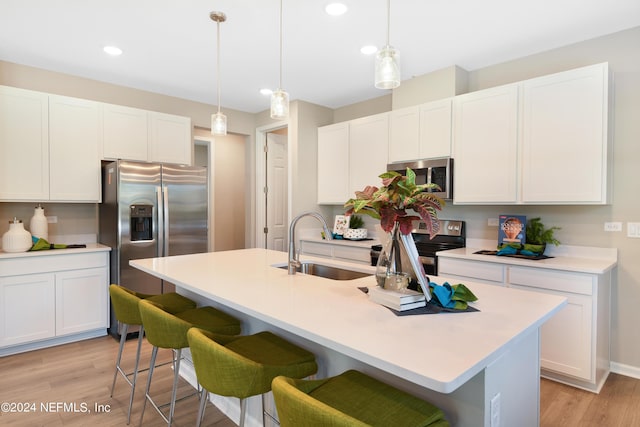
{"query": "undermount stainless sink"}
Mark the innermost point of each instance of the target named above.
(328, 271)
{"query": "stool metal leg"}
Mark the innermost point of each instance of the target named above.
(243, 411)
(203, 405)
(135, 373)
(152, 364)
(123, 338)
(176, 376)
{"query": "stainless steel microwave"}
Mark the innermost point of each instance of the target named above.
(430, 171)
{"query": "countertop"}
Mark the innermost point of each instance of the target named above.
(91, 247)
(439, 351)
(576, 259)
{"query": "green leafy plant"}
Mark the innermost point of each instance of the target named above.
(390, 202)
(537, 234)
(356, 221)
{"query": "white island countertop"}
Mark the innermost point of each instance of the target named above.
(439, 351)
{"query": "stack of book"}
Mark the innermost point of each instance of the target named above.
(399, 301)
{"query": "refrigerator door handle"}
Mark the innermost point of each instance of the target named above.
(161, 223)
(165, 225)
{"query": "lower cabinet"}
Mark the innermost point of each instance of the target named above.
(41, 307)
(574, 342)
(359, 254)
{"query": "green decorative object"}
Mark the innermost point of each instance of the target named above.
(356, 221)
(537, 234)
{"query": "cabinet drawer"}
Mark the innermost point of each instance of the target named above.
(311, 248)
(560, 281)
(351, 253)
(473, 269)
(52, 263)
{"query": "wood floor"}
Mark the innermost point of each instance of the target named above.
(80, 374)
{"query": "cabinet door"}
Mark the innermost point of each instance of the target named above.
(75, 143)
(565, 150)
(125, 133)
(435, 129)
(485, 146)
(475, 271)
(27, 311)
(82, 301)
(404, 129)
(24, 145)
(170, 139)
(333, 164)
(368, 151)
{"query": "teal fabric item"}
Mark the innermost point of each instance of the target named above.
(454, 297)
(507, 250)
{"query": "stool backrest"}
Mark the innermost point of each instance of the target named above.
(125, 305)
(295, 407)
(163, 329)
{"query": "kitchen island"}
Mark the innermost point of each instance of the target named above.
(473, 365)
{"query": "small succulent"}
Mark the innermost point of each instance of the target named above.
(538, 234)
(356, 221)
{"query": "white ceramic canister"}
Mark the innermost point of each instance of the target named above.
(17, 239)
(38, 226)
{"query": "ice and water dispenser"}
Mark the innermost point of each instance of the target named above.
(141, 222)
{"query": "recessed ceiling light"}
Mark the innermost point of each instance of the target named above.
(336, 9)
(112, 50)
(266, 92)
(368, 50)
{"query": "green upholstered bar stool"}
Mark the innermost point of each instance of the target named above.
(351, 399)
(125, 305)
(244, 366)
(166, 330)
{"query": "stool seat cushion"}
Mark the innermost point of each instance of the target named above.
(351, 399)
(166, 330)
(125, 303)
(244, 366)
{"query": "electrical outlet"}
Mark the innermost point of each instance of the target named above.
(495, 411)
(52, 219)
(612, 226)
(492, 222)
(633, 229)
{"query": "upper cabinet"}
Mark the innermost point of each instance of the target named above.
(135, 134)
(351, 155)
(565, 150)
(75, 141)
(540, 141)
(24, 145)
(485, 146)
(420, 132)
(49, 147)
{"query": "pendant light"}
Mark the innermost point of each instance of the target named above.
(218, 120)
(387, 74)
(280, 98)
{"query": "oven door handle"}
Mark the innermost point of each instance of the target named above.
(427, 260)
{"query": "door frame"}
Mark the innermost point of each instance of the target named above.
(261, 135)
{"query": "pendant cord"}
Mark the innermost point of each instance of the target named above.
(388, 20)
(218, 64)
(280, 78)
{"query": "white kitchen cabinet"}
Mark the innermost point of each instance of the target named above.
(564, 137)
(333, 164)
(75, 143)
(125, 133)
(136, 134)
(52, 298)
(404, 134)
(435, 129)
(170, 139)
(368, 151)
(28, 313)
(420, 132)
(338, 250)
(24, 145)
(485, 142)
(575, 342)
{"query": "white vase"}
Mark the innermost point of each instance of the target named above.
(38, 226)
(17, 239)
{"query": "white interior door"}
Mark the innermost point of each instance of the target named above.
(276, 192)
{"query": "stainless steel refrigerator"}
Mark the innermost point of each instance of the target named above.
(151, 210)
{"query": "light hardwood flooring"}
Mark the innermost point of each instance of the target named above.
(81, 374)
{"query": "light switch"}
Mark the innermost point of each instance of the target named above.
(633, 229)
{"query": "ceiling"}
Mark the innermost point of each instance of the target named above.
(170, 46)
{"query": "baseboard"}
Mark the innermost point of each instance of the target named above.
(626, 370)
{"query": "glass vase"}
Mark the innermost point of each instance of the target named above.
(391, 272)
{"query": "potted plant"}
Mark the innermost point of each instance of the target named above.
(389, 204)
(538, 236)
(356, 228)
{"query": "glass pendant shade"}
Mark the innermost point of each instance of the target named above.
(387, 74)
(279, 104)
(218, 124)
